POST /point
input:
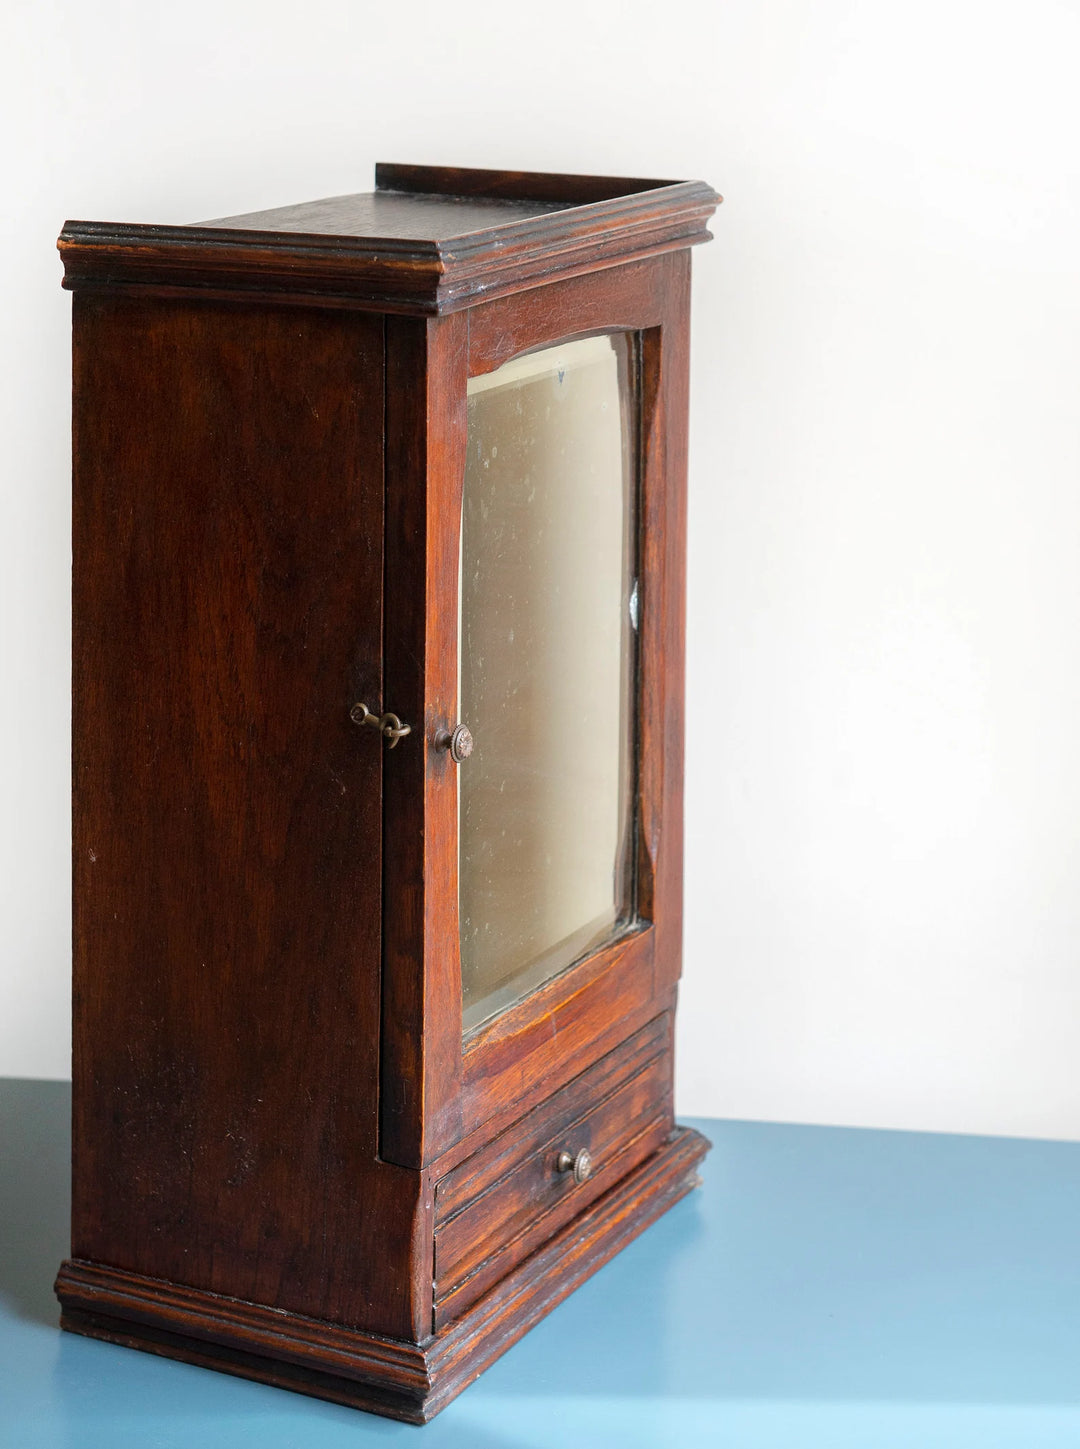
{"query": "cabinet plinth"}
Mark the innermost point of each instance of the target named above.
(374, 984)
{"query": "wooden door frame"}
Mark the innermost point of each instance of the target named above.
(439, 1095)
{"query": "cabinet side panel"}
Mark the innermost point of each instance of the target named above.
(227, 612)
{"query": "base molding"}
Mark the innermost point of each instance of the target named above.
(386, 1376)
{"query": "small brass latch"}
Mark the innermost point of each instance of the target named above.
(388, 725)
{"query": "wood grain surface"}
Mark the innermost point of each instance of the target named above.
(401, 250)
(227, 814)
(402, 1380)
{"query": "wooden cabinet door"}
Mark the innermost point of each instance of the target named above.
(512, 967)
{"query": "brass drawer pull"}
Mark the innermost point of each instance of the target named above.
(388, 725)
(580, 1166)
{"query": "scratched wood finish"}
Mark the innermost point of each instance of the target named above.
(431, 1094)
(500, 1154)
(620, 1111)
(401, 1380)
(435, 255)
(537, 1045)
(227, 611)
(521, 186)
(288, 1163)
(425, 460)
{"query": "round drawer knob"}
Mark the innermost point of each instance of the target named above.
(460, 743)
(580, 1166)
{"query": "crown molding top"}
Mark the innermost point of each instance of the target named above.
(427, 240)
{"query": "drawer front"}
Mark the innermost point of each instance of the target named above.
(507, 1199)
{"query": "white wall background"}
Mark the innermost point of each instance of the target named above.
(883, 826)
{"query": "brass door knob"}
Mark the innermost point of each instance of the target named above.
(459, 742)
(580, 1166)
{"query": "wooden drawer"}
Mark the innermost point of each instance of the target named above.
(504, 1201)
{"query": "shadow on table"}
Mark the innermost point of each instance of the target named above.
(35, 1193)
(815, 1264)
(838, 1264)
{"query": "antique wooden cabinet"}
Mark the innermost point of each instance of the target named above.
(379, 528)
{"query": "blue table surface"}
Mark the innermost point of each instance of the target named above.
(825, 1286)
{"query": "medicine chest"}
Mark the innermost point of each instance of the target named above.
(379, 530)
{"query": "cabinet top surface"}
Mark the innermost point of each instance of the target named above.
(390, 215)
(426, 240)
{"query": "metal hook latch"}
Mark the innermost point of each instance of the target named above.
(388, 725)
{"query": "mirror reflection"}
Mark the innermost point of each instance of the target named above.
(546, 653)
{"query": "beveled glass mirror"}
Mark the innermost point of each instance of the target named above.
(547, 620)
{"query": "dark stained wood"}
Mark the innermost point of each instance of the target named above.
(571, 1021)
(664, 410)
(421, 1014)
(402, 1380)
(288, 1161)
(227, 610)
(626, 299)
(564, 190)
(620, 1111)
(499, 1154)
(382, 215)
(397, 251)
(559, 1029)
(327, 1360)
